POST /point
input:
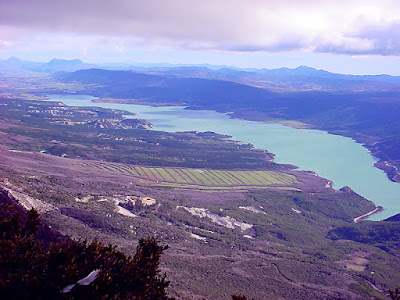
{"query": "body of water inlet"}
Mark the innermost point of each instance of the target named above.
(339, 159)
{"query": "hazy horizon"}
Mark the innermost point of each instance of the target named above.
(125, 64)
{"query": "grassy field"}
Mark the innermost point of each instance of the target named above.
(201, 178)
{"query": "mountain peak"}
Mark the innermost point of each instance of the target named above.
(310, 71)
(14, 59)
(303, 67)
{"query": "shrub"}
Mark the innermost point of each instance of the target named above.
(34, 268)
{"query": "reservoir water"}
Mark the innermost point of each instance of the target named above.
(336, 158)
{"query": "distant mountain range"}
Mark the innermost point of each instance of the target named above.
(55, 65)
(302, 78)
(285, 79)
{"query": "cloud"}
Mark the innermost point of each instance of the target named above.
(376, 35)
(385, 37)
(342, 26)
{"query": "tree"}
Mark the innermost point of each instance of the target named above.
(33, 268)
(394, 295)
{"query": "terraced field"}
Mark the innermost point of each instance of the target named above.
(202, 178)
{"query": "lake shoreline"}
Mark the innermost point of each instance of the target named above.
(368, 214)
(181, 116)
(391, 171)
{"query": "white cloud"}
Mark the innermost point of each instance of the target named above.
(341, 26)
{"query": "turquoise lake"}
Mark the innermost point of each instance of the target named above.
(336, 158)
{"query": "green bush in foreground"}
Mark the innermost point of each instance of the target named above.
(31, 268)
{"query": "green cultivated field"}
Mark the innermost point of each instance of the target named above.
(202, 178)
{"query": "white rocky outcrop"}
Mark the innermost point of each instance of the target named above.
(29, 202)
(257, 210)
(227, 221)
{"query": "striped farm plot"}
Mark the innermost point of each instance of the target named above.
(201, 178)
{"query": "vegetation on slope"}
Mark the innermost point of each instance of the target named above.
(384, 235)
(32, 267)
(207, 259)
(55, 129)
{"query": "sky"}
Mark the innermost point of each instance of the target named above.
(344, 36)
